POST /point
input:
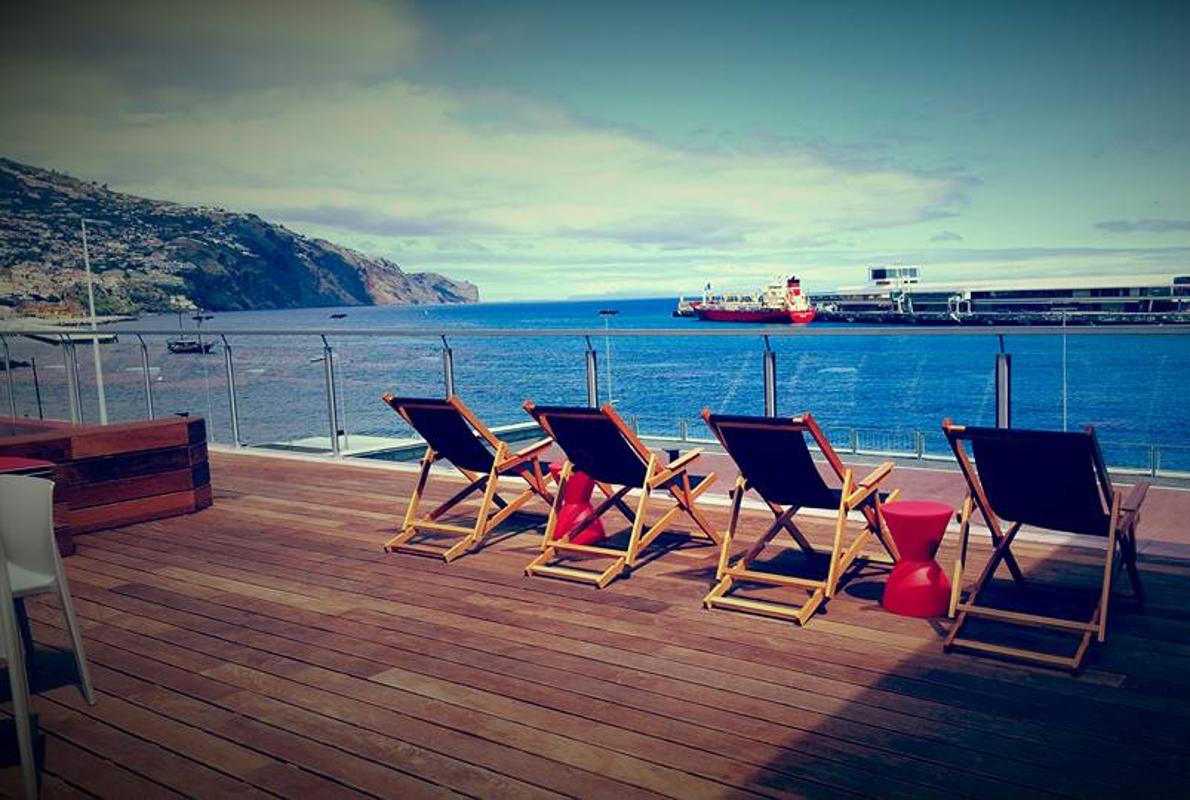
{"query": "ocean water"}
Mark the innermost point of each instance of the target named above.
(887, 391)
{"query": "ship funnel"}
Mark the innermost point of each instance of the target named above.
(793, 287)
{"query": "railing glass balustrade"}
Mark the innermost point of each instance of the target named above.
(877, 391)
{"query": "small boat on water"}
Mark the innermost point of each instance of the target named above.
(780, 303)
(187, 344)
(184, 343)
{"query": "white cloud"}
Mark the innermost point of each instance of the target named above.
(217, 104)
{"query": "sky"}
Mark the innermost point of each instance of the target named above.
(554, 150)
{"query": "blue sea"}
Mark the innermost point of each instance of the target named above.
(886, 392)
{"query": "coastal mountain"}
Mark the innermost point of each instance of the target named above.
(151, 255)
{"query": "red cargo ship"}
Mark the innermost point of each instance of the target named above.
(780, 303)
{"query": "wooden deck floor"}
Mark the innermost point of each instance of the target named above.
(266, 646)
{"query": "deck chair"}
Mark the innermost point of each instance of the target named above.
(599, 443)
(774, 461)
(454, 434)
(1047, 479)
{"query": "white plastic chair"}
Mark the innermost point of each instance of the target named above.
(31, 553)
(10, 649)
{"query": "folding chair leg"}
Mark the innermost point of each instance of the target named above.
(620, 505)
(407, 530)
(485, 508)
(988, 571)
(635, 544)
(800, 614)
(956, 583)
(551, 523)
(686, 498)
(1105, 593)
(552, 548)
(511, 507)
(457, 549)
(725, 545)
(1002, 553)
(875, 520)
(1127, 540)
(832, 578)
(797, 535)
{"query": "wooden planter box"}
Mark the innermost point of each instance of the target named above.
(107, 476)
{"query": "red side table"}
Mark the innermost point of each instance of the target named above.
(917, 586)
(576, 502)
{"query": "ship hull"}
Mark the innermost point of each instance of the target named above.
(761, 316)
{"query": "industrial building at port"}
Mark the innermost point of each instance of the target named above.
(897, 294)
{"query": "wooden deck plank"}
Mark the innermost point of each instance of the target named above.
(1006, 729)
(262, 576)
(267, 646)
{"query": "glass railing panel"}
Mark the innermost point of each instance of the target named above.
(280, 394)
(872, 393)
(38, 381)
(194, 384)
(888, 393)
(123, 380)
(1127, 386)
(495, 375)
(1170, 460)
(365, 368)
(658, 383)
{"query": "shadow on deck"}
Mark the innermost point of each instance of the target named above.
(266, 646)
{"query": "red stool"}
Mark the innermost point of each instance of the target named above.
(576, 502)
(917, 586)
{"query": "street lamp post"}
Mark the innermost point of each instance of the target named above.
(94, 329)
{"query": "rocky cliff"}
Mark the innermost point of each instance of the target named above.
(149, 255)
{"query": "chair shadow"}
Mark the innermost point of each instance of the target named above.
(1141, 654)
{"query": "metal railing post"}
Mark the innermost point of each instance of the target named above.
(921, 444)
(1003, 387)
(1154, 460)
(592, 376)
(73, 394)
(12, 394)
(448, 368)
(232, 409)
(36, 387)
(683, 430)
(770, 380)
(144, 365)
(332, 406)
(855, 440)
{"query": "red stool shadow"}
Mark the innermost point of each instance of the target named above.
(917, 586)
(576, 502)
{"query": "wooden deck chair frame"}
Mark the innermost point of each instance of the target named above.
(672, 478)
(1123, 516)
(862, 495)
(493, 509)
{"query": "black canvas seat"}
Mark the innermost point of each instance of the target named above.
(1045, 479)
(598, 443)
(774, 460)
(456, 435)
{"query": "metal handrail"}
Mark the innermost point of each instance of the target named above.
(782, 332)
